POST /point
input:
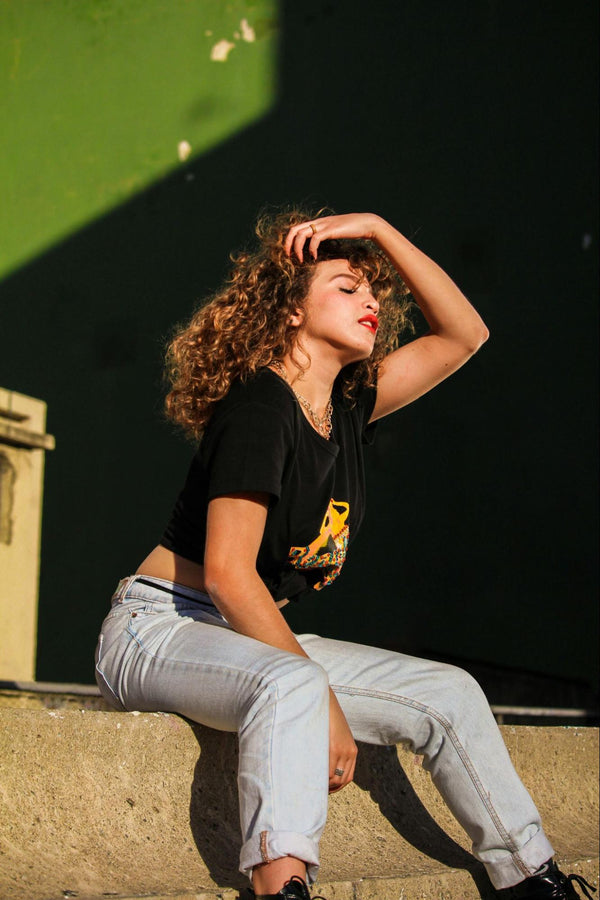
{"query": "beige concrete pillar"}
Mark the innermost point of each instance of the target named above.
(23, 443)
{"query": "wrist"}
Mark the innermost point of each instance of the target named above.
(377, 228)
(385, 235)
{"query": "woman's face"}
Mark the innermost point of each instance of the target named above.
(340, 313)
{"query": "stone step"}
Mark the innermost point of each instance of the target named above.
(98, 804)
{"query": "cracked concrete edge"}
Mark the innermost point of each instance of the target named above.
(59, 837)
(450, 884)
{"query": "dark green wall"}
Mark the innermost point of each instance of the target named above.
(97, 96)
(472, 128)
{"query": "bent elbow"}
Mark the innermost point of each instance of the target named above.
(215, 582)
(478, 339)
(225, 582)
(483, 335)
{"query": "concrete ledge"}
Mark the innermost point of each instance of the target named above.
(49, 695)
(96, 804)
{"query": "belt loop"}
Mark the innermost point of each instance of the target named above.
(122, 587)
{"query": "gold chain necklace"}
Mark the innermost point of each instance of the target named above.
(321, 423)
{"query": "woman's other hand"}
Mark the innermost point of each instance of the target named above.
(353, 225)
(342, 748)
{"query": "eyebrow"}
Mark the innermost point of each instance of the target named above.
(357, 279)
(347, 275)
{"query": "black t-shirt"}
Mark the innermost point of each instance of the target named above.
(258, 439)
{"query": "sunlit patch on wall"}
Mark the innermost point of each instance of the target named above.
(7, 480)
(102, 99)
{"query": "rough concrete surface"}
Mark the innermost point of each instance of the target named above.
(96, 804)
(80, 697)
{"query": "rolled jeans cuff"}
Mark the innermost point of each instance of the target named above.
(270, 845)
(508, 871)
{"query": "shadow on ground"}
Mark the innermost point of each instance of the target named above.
(214, 815)
(379, 772)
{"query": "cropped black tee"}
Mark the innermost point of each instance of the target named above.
(258, 439)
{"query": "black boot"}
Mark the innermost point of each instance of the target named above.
(548, 883)
(294, 889)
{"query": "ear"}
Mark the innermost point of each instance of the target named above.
(297, 318)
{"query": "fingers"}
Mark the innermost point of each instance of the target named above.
(342, 747)
(341, 767)
(342, 774)
(313, 244)
(352, 225)
(297, 237)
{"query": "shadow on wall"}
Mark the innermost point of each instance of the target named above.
(480, 523)
(377, 768)
(214, 817)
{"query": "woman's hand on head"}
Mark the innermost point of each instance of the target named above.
(313, 231)
(342, 748)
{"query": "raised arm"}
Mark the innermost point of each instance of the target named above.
(456, 329)
(235, 527)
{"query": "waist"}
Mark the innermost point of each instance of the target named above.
(173, 588)
(163, 585)
(168, 566)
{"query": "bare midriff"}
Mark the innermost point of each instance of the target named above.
(163, 563)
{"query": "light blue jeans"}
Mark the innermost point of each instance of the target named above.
(166, 647)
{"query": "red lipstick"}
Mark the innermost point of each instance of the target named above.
(370, 322)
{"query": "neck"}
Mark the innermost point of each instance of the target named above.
(315, 383)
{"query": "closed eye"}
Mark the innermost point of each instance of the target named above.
(348, 290)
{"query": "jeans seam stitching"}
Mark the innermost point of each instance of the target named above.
(462, 753)
(264, 846)
(100, 671)
(108, 684)
(273, 686)
(270, 687)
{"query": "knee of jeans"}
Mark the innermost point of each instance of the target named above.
(310, 673)
(459, 693)
(303, 677)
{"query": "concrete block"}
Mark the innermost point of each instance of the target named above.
(124, 804)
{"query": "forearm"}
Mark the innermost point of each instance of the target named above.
(243, 599)
(445, 308)
(249, 608)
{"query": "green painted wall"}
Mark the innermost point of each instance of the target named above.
(471, 127)
(97, 96)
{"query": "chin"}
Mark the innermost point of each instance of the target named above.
(348, 354)
(365, 351)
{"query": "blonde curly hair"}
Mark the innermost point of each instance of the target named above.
(245, 326)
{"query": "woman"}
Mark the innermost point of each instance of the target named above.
(282, 374)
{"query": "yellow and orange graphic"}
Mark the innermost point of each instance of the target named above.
(329, 548)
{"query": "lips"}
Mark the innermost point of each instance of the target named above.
(370, 322)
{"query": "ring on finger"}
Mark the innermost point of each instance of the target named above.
(338, 772)
(313, 227)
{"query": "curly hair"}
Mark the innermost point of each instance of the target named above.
(245, 325)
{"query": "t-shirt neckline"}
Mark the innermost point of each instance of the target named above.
(328, 443)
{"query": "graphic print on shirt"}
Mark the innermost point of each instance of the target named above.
(328, 550)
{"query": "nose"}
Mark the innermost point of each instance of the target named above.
(372, 304)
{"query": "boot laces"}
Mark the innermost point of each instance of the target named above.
(582, 883)
(296, 879)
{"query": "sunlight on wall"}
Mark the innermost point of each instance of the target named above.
(99, 99)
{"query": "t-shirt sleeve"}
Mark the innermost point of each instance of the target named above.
(248, 449)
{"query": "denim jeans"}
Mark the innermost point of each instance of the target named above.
(165, 647)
